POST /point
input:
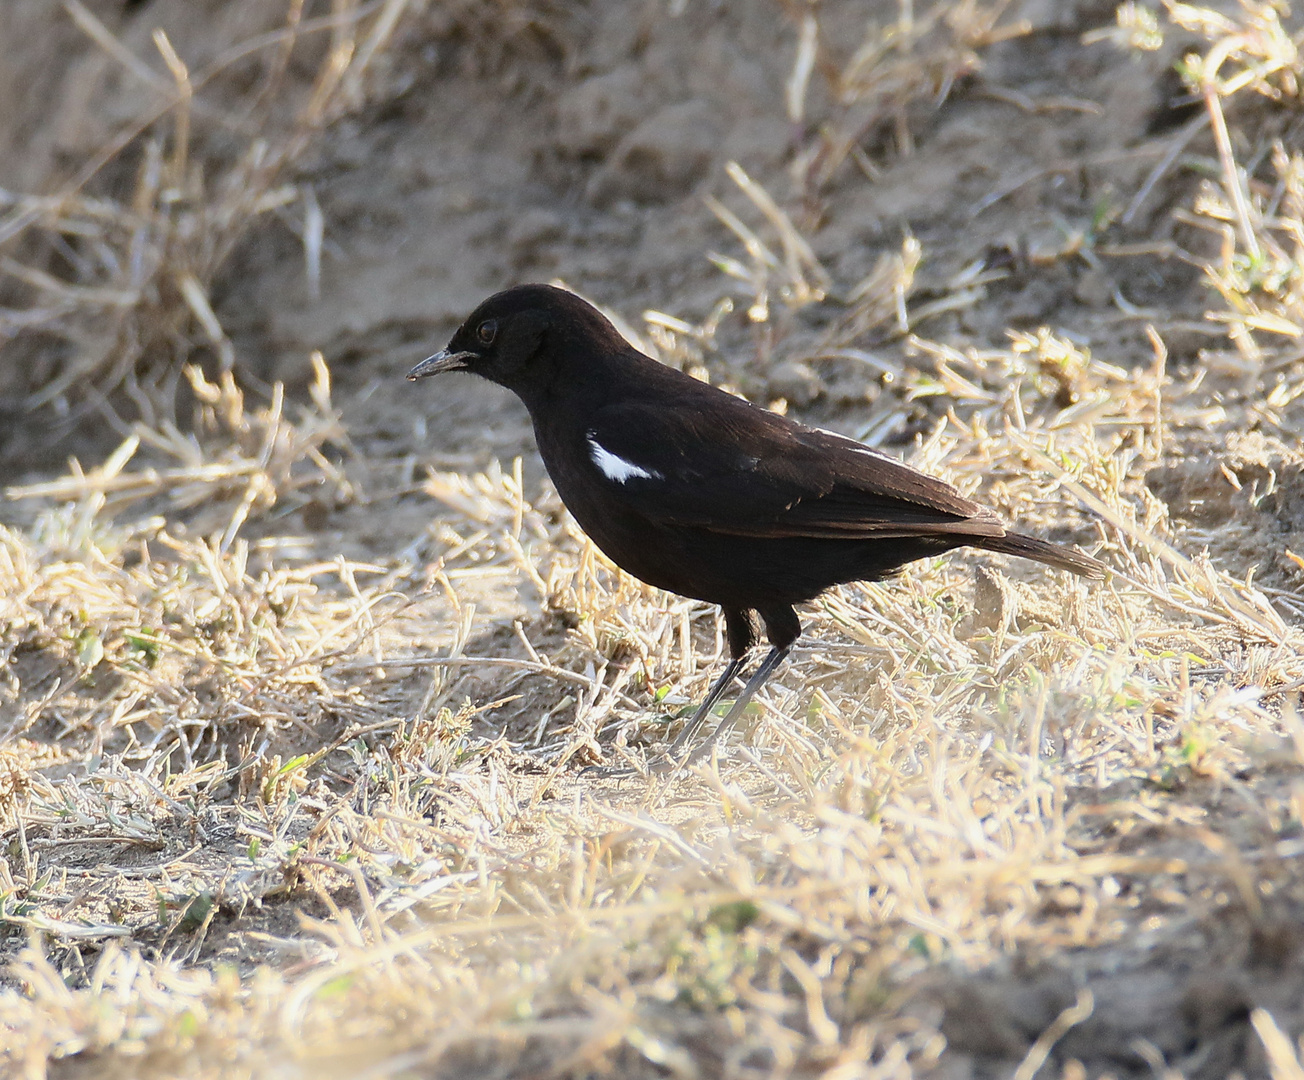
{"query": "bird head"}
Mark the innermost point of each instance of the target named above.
(519, 339)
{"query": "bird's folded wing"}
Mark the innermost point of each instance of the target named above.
(733, 468)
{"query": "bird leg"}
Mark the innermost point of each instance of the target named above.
(741, 629)
(772, 660)
(671, 758)
(713, 695)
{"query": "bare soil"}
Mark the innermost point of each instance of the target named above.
(509, 142)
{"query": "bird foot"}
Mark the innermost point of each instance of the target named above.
(666, 765)
(607, 772)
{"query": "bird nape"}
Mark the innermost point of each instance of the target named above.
(703, 494)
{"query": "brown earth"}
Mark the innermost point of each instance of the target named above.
(506, 142)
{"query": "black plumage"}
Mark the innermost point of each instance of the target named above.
(698, 492)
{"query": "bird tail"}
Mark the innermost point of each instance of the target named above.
(1027, 547)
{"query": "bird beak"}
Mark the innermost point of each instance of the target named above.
(440, 362)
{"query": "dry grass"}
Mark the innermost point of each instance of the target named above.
(901, 66)
(271, 815)
(119, 287)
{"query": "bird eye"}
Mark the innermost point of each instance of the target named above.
(486, 331)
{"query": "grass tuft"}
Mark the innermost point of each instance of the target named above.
(270, 811)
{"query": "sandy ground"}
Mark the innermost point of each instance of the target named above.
(1133, 908)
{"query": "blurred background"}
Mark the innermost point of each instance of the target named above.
(299, 661)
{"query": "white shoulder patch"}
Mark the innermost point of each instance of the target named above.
(615, 467)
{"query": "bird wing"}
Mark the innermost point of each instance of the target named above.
(730, 467)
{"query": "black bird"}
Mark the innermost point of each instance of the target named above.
(703, 494)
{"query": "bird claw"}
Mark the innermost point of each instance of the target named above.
(608, 772)
(666, 765)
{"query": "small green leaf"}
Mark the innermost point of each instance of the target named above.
(90, 649)
(292, 764)
(336, 987)
(735, 917)
(145, 645)
(197, 911)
